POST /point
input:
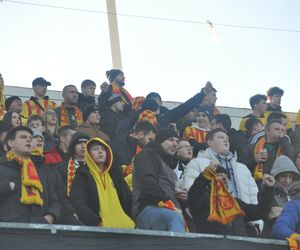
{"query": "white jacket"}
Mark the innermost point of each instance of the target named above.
(246, 186)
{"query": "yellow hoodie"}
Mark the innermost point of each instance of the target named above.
(110, 209)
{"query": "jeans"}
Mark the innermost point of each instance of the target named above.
(155, 218)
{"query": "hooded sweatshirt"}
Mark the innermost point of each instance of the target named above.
(283, 164)
(110, 210)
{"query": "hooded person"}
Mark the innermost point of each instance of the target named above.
(99, 193)
(287, 188)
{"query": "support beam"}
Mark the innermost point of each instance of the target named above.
(114, 34)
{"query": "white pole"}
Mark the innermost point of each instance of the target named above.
(114, 34)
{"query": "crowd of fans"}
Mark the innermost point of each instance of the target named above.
(125, 162)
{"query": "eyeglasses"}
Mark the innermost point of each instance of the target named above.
(188, 147)
(51, 113)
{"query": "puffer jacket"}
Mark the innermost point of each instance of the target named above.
(245, 184)
(288, 222)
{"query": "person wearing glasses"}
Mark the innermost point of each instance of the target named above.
(51, 128)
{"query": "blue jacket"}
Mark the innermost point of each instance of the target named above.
(288, 222)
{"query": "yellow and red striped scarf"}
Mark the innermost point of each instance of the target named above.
(137, 102)
(64, 118)
(121, 92)
(294, 244)
(148, 116)
(127, 169)
(30, 180)
(29, 108)
(223, 207)
(72, 164)
(259, 168)
(194, 133)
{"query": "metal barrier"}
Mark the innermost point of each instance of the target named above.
(49, 237)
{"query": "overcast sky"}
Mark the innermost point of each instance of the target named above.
(172, 58)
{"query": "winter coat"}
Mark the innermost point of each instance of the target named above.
(84, 101)
(124, 149)
(199, 205)
(246, 187)
(109, 122)
(67, 211)
(282, 165)
(153, 179)
(85, 199)
(55, 156)
(288, 222)
(248, 159)
(11, 209)
(93, 131)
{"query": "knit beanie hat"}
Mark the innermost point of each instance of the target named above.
(10, 100)
(148, 116)
(165, 134)
(88, 110)
(76, 139)
(206, 110)
(150, 104)
(37, 133)
(112, 74)
(114, 98)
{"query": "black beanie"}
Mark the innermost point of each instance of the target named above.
(88, 110)
(10, 100)
(164, 134)
(150, 104)
(112, 74)
(77, 138)
(206, 110)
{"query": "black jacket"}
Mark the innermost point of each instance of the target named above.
(84, 101)
(109, 121)
(247, 156)
(124, 149)
(171, 116)
(11, 209)
(84, 195)
(199, 205)
(67, 211)
(153, 179)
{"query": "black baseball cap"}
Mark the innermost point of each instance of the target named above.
(40, 81)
